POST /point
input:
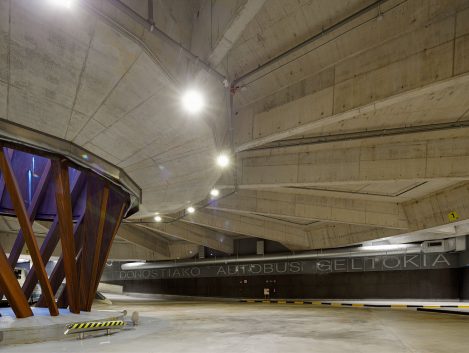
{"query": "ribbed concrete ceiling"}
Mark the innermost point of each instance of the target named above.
(67, 73)
(313, 171)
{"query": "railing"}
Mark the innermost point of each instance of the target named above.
(82, 327)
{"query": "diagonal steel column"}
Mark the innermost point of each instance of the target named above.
(64, 214)
(30, 239)
(12, 289)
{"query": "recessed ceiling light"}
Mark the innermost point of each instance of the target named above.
(214, 192)
(193, 101)
(223, 160)
(63, 3)
(190, 209)
(158, 218)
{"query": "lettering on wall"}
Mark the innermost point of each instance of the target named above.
(402, 262)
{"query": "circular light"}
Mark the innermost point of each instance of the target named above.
(223, 160)
(158, 218)
(64, 3)
(214, 192)
(192, 101)
(190, 209)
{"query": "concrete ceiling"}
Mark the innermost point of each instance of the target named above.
(71, 74)
(350, 118)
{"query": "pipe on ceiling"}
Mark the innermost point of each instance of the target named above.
(353, 252)
(152, 28)
(325, 31)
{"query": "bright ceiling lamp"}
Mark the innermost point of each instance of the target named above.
(192, 101)
(223, 160)
(384, 247)
(214, 192)
(63, 3)
(190, 209)
(157, 218)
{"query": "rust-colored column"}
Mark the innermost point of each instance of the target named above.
(13, 189)
(12, 289)
(52, 239)
(32, 210)
(64, 214)
(107, 243)
(97, 248)
(58, 274)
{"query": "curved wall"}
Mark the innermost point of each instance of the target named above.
(421, 284)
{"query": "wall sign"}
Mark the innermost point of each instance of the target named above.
(453, 216)
(400, 262)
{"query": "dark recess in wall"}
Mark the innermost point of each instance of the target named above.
(421, 284)
(464, 281)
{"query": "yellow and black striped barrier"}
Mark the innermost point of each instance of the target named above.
(355, 305)
(80, 327)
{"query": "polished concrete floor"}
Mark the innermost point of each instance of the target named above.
(222, 327)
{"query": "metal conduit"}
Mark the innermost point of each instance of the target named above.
(354, 252)
(335, 26)
(156, 31)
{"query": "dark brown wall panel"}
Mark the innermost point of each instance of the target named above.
(422, 284)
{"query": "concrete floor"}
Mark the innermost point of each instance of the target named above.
(222, 327)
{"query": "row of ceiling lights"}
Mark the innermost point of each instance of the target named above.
(193, 102)
(222, 161)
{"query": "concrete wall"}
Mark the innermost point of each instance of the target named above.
(422, 284)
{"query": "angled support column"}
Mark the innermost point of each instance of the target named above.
(52, 238)
(32, 210)
(58, 274)
(12, 289)
(13, 189)
(110, 233)
(97, 195)
(64, 213)
(98, 245)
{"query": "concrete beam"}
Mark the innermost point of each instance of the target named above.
(119, 251)
(245, 13)
(291, 236)
(144, 238)
(449, 206)
(336, 235)
(128, 251)
(417, 156)
(194, 234)
(316, 236)
(337, 210)
(181, 249)
(410, 57)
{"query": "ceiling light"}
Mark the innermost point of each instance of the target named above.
(223, 160)
(214, 192)
(130, 265)
(63, 3)
(192, 101)
(384, 247)
(158, 218)
(190, 209)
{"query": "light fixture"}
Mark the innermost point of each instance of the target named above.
(63, 3)
(130, 265)
(192, 101)
(214, 192)
(384, 247)
(223, 160)
(157, 218)
(190, 209)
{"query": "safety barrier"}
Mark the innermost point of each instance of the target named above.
(82, 327)
(359, 305)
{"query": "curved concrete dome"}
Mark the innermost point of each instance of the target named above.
(67, 73)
